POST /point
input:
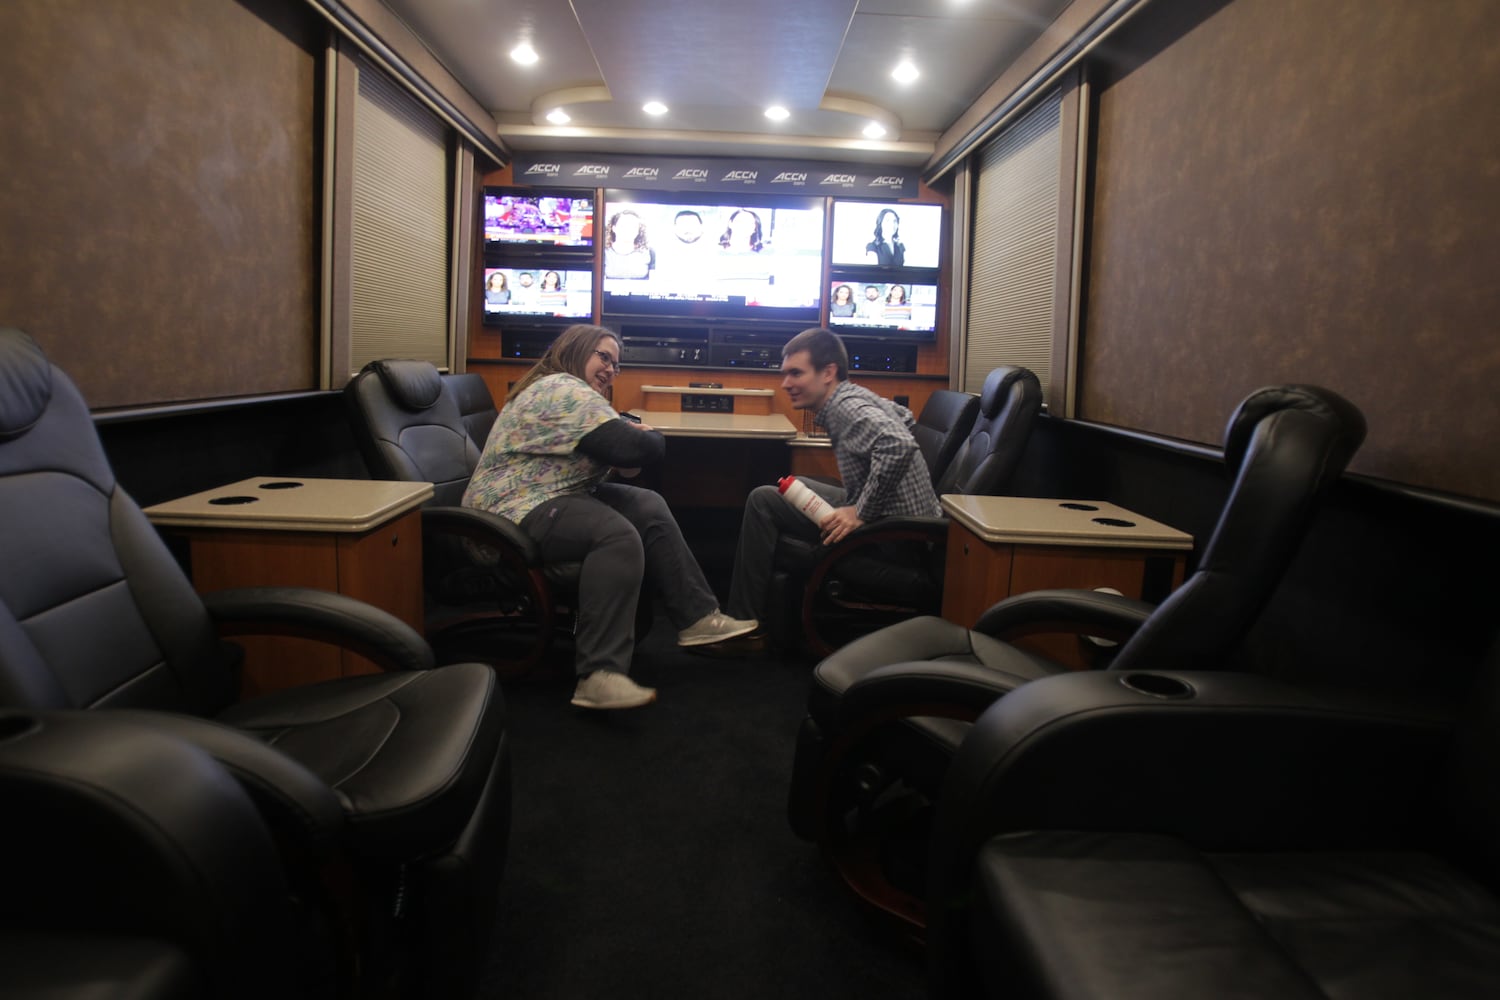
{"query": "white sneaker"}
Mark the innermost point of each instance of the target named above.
(715, 626)
(608, 689)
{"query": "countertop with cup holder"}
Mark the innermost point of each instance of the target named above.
(999, 546)
(358, 537)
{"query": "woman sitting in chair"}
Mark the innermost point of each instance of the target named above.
(544, 467)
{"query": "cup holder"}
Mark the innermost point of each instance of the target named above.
(1077, 506)
(1114, 522)
(233, 501)
(283, 484)
(1158, 686)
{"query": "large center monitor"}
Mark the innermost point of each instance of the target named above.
(538, 292)
(756, 257)
(886, 234)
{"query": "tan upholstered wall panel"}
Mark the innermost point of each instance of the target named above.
(1293, 191)
(159, 193)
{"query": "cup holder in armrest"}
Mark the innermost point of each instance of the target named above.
(1158, 685)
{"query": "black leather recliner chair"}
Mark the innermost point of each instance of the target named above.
(409, 423)
(942, 428)
(886, 712)
(1185, 834)
(135, 865)
(96, 614)
(892, 569)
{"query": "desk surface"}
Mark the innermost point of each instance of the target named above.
(688, 390)
(771, 426)
(293, 504)
(1035, 521)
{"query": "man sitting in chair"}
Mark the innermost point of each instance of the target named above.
(878, 459)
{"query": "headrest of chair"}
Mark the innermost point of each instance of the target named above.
(1343, 417)
(25, 382)
(997, 387)
(414, 385)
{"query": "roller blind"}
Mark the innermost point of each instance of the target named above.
(399, 239)
(1012, 277)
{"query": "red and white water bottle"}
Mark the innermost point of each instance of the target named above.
(796, 493)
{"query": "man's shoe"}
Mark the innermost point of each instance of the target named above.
(608, 689)
(715, 626)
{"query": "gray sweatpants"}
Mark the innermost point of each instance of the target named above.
(768, 517)
(624, 536)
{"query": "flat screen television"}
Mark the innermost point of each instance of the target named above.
(883, 309)
(754, 258)
(886, 234)
(538, 292)
(528, 219)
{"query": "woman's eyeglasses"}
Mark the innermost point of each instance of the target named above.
(609, 362)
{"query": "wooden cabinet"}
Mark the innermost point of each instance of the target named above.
(999, 546)
(360, 538)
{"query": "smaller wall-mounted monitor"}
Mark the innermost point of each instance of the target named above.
(538, 293)
(883, 309)
(886, 234)
(522, 219)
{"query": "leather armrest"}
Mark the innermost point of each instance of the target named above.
(114, 827)
(482, 527)
(1081, 612)
(294, 801)
(323, 616)
(1227, 761)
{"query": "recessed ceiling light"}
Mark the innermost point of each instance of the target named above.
(777, 113)
(654, 108)
(524, 54)
(874, 130)
(558, 116)
(905, 72)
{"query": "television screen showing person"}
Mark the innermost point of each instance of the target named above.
(886, 249)
(627, 252)
(843, 303)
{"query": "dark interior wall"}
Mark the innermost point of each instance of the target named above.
(159, 202)
(1302, 192)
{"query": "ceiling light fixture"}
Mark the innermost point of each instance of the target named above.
(654, 108)
(524, 54)
(874, 130)
(777, 113)
(558, 116)
(905, 72)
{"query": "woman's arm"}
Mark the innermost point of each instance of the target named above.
(623, 444)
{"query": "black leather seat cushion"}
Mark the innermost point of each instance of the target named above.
(1133, 915)
(396, 747)
(57, 966)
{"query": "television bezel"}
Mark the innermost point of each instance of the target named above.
(862, 276)
(627, 306)
(509, 317)
(898, 207)
(539, 247)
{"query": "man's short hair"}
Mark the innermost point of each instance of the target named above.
(823, 346)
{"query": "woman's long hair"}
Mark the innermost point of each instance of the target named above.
(569, 353)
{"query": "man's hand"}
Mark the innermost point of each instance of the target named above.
(842, 521)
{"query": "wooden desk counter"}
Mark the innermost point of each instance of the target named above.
(716, 459)
(358, 537)
(999, 546)
(772, 426)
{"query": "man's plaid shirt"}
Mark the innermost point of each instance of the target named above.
(882, 468)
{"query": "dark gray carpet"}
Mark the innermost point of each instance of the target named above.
(651, 857)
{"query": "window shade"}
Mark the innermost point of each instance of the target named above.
(399, 239)
(1013, 263)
